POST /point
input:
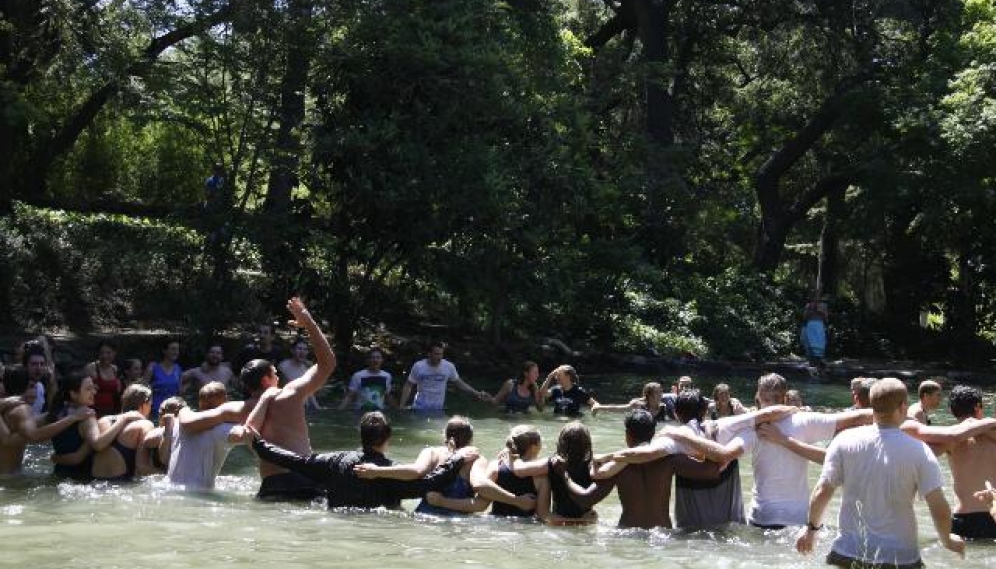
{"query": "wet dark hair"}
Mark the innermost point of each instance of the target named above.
(253, 373)
(374, 430)
(436, 344)
(640, 425)
(574, 444)
(31, 349)
(690, 405)
(963, 400)
(526, 366)
(16, 380)
(459, 433)
(63, 397)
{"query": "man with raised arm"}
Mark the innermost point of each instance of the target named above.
(284, 423)
(882, 469)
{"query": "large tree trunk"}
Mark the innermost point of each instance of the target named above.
(829, 241)
(279, 244)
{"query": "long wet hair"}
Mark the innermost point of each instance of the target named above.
(526, 366)
(650, 388)
(458, 432)
(63, 397)
(574, 444)
(520, 438)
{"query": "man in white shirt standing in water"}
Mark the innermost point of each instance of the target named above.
(882, 469)
(781, 486)
(431, 377)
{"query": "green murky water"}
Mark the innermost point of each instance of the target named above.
(44, 523)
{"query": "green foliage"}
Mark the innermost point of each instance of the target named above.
(108, 271)
(491, 166)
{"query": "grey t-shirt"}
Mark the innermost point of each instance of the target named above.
(196, 459)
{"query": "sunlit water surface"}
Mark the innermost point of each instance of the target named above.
(45, 523)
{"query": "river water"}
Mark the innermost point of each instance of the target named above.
(44, 523)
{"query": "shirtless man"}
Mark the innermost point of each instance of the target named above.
(861, 392)
(930, 394)
(284, 424)
(211, 369)
(17, 420)
(973, 463)
(701, 503)
(644, 489)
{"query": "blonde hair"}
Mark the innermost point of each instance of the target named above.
(771, 388)
(887, 395)
(212, 391)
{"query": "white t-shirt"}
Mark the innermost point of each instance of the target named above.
(882, 470)
(781, 485)
(371, 389)
(196, 459)
(431, 383)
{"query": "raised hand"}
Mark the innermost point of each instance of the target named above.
(297, 309)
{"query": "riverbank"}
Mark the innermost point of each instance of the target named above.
(477, 358)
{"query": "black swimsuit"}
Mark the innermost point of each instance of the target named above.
(516, 485)
(129, 455)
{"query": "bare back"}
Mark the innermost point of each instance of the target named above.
(285, 424)
(645, 494)
(973, 462)
(109, 463)
(12, 455)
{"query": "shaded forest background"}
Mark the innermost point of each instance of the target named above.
(654, 176)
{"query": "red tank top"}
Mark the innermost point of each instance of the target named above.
(107, 399)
